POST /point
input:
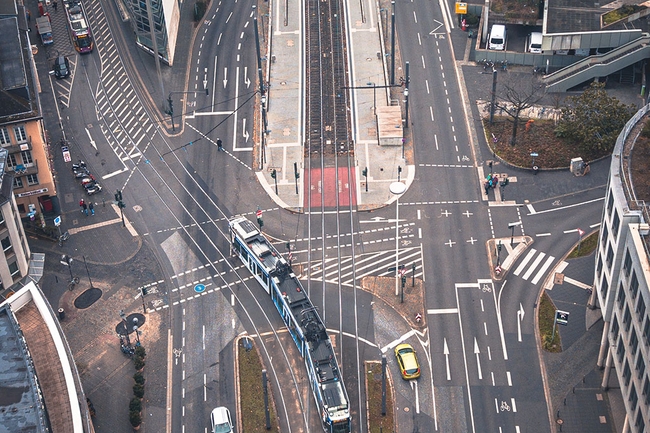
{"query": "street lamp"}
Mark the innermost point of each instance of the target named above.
(137, 336)
(397, 188)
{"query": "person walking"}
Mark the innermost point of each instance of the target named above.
(82, 203)
(219, 145)
(92, 208)
(55, 5)
(85, 207)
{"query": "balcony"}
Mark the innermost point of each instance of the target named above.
(16, 148)
(23, 169)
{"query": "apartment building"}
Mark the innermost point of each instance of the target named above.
(22, 133)
(622, 279)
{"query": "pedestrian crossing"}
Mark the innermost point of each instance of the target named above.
(534, 268)
(343, 271)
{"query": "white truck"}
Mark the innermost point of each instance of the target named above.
(44, 29)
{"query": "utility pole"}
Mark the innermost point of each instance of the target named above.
(392, 44)
(406, 97)
(494, 95)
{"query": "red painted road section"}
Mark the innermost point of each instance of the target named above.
(328, 188)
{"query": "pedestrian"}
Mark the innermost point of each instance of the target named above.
(92, 208)
(29, 18)
(55, 5)
(486, 185)
(585, 168)
(82, 203)
(219, 145)
(85, 208)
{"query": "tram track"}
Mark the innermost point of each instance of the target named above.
(328, 156)
(174, 194)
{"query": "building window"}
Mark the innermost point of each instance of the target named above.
(627, 318)
(639, 420)
(646, 332)
(599, 268)
(634, 285)
(4, 137)
(615, 327)
(620, 350)
(6, 243)
(634, 342)
(2, 218)
(13, 268)
(18, 182)
(610, 257)
(621, 295)
(11, 161)
(627, 373)
(627, 264)
(646, 390)
(32, 179)
(634, 398)
(615, 224)
(640, 366)
(604, 287)
(640, 308)
(27, 157)
(610, 203)
(603, 239)
(21, 134)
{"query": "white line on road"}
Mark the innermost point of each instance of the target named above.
(570, 231)
(445, 351)
(443, 311)
(523, 264)
(414, 385)
(533, 212)
(514, 404)
(509, 378)
(533, 266)
(477, 352)
(539, 235)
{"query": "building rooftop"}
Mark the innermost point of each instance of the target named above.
(18, 99)
(36, 370)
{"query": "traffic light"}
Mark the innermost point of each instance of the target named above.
(365, 172)
(260, 222)
(144, 290)
(273, 173)
(403, 280)
(288, 246)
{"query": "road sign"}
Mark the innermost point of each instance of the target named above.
(402, 271)
(534, 154)
(258, 213)
(581, 232)
(562, 317)
(461, 8)
(57, 221)
(199, 288)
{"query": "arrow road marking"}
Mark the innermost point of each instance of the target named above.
(445, 350)
(245, 133)
(520, 318)
(434, 30)
(246, 79)
(414, 385)
(225, 75)
(477, 351)
(92, 142)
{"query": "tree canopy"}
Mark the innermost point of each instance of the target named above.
(593, 119)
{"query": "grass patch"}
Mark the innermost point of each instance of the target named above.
(377, 422)
(587, 246)
(546, 319)
(252, 395)
(620, 13)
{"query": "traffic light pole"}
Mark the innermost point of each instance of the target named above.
(143, 292)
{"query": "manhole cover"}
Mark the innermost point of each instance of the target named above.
(87, 298)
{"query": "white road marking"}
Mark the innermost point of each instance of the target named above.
(523, 264)
(543, 269)
(534, 265)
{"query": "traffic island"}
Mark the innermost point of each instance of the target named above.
(256, 406)
(380, 418)
(409, 300)
(503, 253)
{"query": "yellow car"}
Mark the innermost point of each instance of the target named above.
(407, 361)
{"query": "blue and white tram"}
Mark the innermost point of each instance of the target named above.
(302, 320)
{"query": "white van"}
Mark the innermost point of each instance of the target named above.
(535, 43)
(497, 37)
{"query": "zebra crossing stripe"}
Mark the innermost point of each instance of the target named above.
(523, 264)
(543, 269)
(530, 270)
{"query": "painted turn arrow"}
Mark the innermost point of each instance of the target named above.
(520, 318)
(225, 77)
(478, 360)
(445, 350)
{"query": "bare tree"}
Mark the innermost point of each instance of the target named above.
(516, 97)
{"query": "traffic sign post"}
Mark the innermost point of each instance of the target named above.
(561, 318)
(258, 214)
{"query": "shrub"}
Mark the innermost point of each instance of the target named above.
(134, 418)
(138, 390)
(138, 363)
(140, 352)
(139, 378)
(135, 405)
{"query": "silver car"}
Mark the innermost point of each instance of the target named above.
(221, 421)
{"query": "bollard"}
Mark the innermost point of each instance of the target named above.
(565, 401)
(61, 314)
(574, 389)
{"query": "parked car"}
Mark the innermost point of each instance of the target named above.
(221, 422)
(407, 361)
(61, 67)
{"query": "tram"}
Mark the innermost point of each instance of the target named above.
(300, 316)
(82, 38)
